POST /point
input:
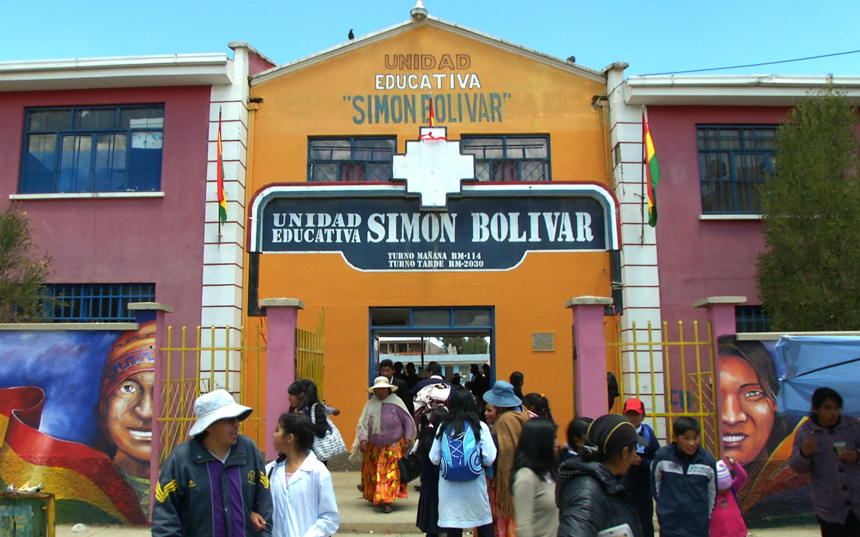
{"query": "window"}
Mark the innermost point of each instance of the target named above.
(111, 149)
(88, 303)
(733, 162)
(350, 159)
(751, 319)
(509, 158)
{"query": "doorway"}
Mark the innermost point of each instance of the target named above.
(455, 337)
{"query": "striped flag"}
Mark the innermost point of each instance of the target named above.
(222, 196)
(652, 171)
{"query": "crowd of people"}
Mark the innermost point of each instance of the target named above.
(489, 460)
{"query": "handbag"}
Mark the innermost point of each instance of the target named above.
(410, 467)
(331, 445)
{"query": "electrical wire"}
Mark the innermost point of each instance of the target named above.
(756, 64)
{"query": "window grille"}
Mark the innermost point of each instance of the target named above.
(106, 149)
(95, 303)
(350, 159)
(509, 158)
(733, 162)
(751, 319)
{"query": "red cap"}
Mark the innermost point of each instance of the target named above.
(635, 405)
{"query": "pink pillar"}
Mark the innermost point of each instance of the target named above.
(592, 398)
(721, 314)
(282, 315)
(143, 312)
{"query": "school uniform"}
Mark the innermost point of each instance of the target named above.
(465, 504)
(304, 506)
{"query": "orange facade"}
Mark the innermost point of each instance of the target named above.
(378, 86)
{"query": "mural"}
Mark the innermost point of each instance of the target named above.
(76, 416)
(765, 393)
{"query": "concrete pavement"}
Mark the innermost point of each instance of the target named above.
(360, 518)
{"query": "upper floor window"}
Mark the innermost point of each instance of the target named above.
(733, 162)
(92, 303)
(509, 158)
(105, 149)
(350, 159)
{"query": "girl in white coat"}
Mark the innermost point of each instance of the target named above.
(301, 486)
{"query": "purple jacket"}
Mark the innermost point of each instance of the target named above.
(835, 483)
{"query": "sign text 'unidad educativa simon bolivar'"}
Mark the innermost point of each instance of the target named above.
(389, 233)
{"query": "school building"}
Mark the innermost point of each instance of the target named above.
(482, 225)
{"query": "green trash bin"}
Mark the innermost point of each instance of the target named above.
(27, 514)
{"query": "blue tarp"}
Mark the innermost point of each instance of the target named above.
(811, 362)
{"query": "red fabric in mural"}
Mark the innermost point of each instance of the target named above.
(23, 408)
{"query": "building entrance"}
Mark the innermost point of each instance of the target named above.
(454, 337)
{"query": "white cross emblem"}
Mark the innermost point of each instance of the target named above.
(433, 167)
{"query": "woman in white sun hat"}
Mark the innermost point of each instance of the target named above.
(215, 484)
(384, 435)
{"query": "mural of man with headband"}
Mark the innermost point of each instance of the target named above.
(125, 405)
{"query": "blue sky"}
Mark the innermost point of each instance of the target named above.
(653, 37)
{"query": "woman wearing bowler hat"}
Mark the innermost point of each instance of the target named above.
(384, 435)
(506, 432)
(589, 492)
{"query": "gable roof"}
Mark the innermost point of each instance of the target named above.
(408, 25)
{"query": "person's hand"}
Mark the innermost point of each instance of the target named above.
(408, 445)
(363, 446)
(810, 444)
(637, 460)
(850, 455)
(258, 521)
(335, 412)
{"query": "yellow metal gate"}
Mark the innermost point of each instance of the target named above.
(310, 354)
(220, 358)
(233, 359)
(672, 374)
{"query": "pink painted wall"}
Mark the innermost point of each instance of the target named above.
(258, 64)
(698, 258)
(128, 240)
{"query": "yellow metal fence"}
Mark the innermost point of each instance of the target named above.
(310, 354)
(650, 365)
(220, 358)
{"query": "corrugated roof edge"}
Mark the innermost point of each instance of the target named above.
(378, 35)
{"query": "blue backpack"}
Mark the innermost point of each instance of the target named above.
(461, 456)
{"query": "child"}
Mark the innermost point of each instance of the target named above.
(301, 486)
(577, 431)
(727, 520)
(684, 482)
(428, 502)
(637, 480)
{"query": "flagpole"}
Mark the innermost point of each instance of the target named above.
(219, 174)
(644, 178)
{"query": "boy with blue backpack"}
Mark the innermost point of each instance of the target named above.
(637, 480)
(684, 482)
(462, 448)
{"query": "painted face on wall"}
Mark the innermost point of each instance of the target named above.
(747, 412)
(128, 420)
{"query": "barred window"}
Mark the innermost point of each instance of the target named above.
(733, 162)
(509, 158)
(751, 319)
(90, 303)
(350, 159)
(105, 149)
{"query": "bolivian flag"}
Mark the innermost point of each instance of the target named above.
(222, 195)
(652, 171)
(86, 483)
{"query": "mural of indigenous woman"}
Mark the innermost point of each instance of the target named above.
(756, 434)
(77, 422)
